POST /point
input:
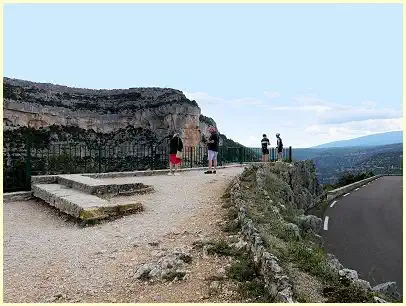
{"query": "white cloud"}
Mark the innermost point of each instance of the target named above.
(369, 103)
(351, 113)
(302, 108)
(288, 124)
(302, 103)
(333, 113)
(314, 129)
(355, 129)
(272, 94)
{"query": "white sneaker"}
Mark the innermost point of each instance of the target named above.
(169, 173)
(176, 173)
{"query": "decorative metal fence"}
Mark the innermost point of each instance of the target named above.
(20, 164)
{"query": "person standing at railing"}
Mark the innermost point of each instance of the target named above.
(279, 146)
(265, 152)
(212, 149)
(175, 153)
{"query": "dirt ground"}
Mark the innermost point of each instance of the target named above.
(49, 258)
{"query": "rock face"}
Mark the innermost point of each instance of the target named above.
(349, 274)
(169, 266)
(295, 185)
(310, 222)
(334, 263)
(161, 111)
(389, 289)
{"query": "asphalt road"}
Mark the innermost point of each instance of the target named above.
(364, 230)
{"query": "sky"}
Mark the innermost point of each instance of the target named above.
(314, 73)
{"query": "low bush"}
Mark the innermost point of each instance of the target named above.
(312, 260)
(242, 270)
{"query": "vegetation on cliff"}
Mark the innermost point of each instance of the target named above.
(273, 195)
(209, 121)
(333, 163)
(44, 137)
(348, 178)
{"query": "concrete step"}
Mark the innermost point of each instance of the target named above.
(80, 204)
(79, 182)
(97, 187)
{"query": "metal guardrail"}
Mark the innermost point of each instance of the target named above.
(333, 194)
(20, 164)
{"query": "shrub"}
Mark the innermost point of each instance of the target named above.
(312, 260)
(242, 270)
(347, 294)
(349, 178)
(253, 289)
(221, 247)
(231, 227)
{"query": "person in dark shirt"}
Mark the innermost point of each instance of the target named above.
(279, 146)
(212, 149)
(175, 146)
(265, 151)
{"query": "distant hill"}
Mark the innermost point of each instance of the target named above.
(370, 140)
(332, 163)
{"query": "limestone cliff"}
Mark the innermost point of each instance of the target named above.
(134, 114)
(267, 205)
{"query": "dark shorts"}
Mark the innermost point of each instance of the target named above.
(265, 151)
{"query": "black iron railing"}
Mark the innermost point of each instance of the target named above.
(20, 164)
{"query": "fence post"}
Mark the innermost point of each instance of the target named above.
(99, 158)
(241, 155)
(152, 157)
(290, 154)
(28, 164)
(191, 157)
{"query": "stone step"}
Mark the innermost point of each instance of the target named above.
(79, 182)
(144, 190)
(97, 187)
(79, 204)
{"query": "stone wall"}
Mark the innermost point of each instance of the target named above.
(277, 283)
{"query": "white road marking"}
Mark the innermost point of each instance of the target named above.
(326, 223)
(345, 194)
(332, 204)
(356, 189)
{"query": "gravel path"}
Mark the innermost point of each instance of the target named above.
(49, 258)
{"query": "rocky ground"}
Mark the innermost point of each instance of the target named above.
(49, 258)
